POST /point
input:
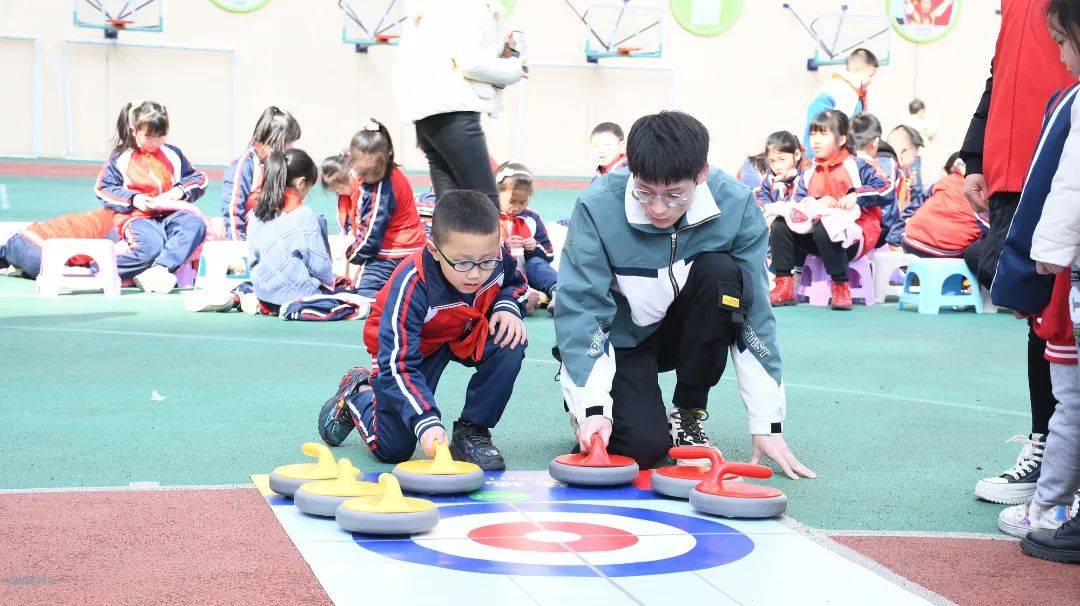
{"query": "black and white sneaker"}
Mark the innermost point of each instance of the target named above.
(687, 429)
(335, 418)
(1017, 485)
(472, 444)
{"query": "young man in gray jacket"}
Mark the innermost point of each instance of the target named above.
(664, 269)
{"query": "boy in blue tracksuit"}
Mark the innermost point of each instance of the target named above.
(460, 298)
(664, 269)
(844, 91)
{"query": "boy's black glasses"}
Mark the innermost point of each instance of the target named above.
(669, 200)
(467, 266)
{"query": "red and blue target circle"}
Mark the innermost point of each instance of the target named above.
(570, 547)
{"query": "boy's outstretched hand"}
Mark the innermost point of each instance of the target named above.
(429, 437)
(1048, 269)
(508, 328)
(593, 425)
(774, 447)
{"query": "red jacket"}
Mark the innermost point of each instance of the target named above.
(944, 225)
(1027, 70)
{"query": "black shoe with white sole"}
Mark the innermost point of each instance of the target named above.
(1017, 485)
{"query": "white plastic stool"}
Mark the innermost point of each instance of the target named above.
(4, 198)
(214, 263)
(885, 262)
(557, 235)
(55, 275)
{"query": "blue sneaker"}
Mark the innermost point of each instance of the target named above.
(336, 420)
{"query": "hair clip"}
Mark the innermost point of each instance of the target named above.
(371, 125)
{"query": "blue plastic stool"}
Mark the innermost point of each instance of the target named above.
(940, 285)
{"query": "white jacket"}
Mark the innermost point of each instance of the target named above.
(1057, 236)
(448, 58)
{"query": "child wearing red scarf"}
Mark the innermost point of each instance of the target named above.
(838, 179)
(458, 299)
(523, 231)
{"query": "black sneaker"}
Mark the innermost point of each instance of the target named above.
(335, 418)
(473, 444)
(1017, 485)
(687, 429)
(1061, 545)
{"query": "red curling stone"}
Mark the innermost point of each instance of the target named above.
(729, 499)
(597, 468)
(678, 480)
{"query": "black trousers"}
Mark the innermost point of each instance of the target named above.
(982, 258)
(692, 340)
(788, 247)
(457, 153)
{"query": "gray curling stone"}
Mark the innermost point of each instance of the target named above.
(735, 507)
(428, 483)
(593, 476)
(285, 486)
(675, 487)
(387, 523)
(317, 504)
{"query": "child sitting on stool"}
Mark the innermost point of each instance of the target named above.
(460, 299)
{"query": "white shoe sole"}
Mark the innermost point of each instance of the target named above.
(1005, 494)
(155, 283)
(201, 301)
(1013, 530)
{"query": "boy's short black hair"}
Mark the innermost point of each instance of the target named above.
(915, 106)
(667, 147)
(916, 138)
(463, 211)
(864, 129)
(863, 55)
(608, 127)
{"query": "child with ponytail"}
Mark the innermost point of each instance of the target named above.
(289, 253)
(151, 186)
(275, 131)
(375, 207)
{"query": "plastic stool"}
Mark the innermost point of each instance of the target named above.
(186, 275)
(10, 228)
(815, 285)
(214, 263)
(55, 275)
(885, 262)
(940, 285)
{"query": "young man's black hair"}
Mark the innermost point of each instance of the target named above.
(667, 147)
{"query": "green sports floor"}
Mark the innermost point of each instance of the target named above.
(899, 413)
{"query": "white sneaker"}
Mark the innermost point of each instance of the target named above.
(249, 304)
(1019, 520)
(208, 300)
(687, 429)
(1016, 485)
(156, 280)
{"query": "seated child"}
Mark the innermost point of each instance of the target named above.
(290, 257)
(608, 145)
(276, 130)
(375, 207)
(752, 170)
(907, 143)
(23, 250)
(459, 298)
(785, 161)
(523, 229)
(836, 180)
(943, 224)
(917, 120)
(845, 91)
(866, 139)
(151, 187)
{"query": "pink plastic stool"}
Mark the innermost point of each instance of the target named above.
(815, 285)
(55, 275)
(186, 274)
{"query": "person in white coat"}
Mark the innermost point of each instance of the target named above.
(452, 64)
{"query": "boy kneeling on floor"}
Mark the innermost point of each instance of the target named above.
(664, 269)
(460, 298)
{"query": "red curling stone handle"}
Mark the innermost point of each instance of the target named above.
(598, 455)
(697, 452)
(714, 483)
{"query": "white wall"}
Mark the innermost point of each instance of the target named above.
(743, 84)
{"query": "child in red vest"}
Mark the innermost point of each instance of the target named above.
(23, 250)
(459, 298)
(944, 225)
(840, 180)
(375, 207)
